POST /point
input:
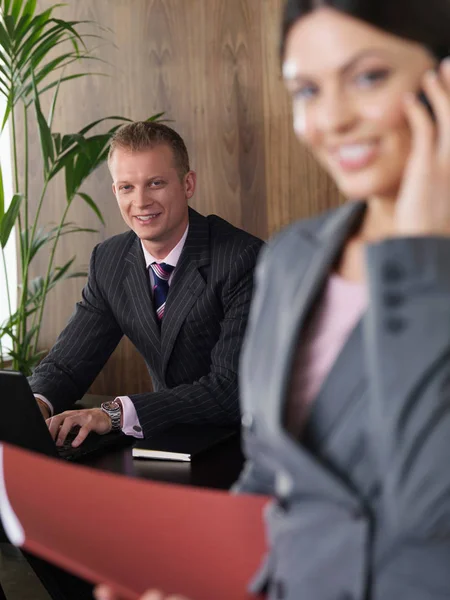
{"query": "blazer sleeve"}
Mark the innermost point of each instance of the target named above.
(214, 397)
(81, 350)
(257, 475)
(407, 331)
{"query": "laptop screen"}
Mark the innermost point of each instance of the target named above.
(21, 421)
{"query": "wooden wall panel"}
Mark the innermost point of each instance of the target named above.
(297, 187)
(213, 67)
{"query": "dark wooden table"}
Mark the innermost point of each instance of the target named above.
(218, 468)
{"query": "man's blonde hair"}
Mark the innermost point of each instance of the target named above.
(145, 135)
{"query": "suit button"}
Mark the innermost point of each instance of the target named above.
(395, 325)
(247, 420)
(392, 272)
(279, 589)
(393, 300)
(283, 484)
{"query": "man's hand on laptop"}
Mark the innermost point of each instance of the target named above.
(92, 419)
(103, 592)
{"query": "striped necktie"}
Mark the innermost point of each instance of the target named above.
(161, 273)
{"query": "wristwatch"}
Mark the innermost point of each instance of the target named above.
(113, 408)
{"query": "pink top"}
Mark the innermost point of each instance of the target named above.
(339, 309)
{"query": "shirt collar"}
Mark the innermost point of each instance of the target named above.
(172, 258)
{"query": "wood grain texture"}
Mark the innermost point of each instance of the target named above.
(213, 67)
(297, 187)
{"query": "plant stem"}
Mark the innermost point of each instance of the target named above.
(30, 240)
(36, 218)
(25, 191)
(21, 332)
(47, 277)
(15, 161)
(24, 296)
(8, 296)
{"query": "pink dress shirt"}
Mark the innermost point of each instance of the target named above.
(337, 313)
(130, 424)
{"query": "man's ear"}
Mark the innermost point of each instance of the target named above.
(113, 188)
(190, 181)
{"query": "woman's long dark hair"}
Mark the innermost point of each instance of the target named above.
(424, 21)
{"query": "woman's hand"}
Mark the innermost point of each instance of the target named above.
(103, 592)
(423, 204)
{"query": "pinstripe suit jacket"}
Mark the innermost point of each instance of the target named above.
(193, 357)
(362, 509)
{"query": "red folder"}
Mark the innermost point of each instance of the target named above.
(131, 534)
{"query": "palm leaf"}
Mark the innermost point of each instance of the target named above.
(69, 26)
(45, 134)
(8, 20)
(8, 109)
(51, 66)
(15, 10)
(51, 113)
(9, 219)
(59, 272)
(27, 90)
(5, 40)
(42, 237)
(34, 34)
(94, 123)
(92, 204)
(25, 20)
(56, 140)
(6, 6)
(2, 196)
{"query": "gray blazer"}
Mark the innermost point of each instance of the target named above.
(362, 502)
(193, 357)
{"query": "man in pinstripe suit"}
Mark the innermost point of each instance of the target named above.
(178, 285)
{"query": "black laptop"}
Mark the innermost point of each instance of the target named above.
(22, 424)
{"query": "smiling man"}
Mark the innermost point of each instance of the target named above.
(178, 285)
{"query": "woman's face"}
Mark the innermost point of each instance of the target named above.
(348, 81)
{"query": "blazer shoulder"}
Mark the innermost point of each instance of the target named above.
(110, 253)
(301, 231)
(116, 243)
(225, 237)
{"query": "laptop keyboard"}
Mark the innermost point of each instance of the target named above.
(93, 444)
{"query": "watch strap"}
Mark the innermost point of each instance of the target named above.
(114, 413)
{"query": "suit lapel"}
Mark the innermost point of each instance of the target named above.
(306, 265)
(137, 283)
(187, 283)
(337, 393)
(304, 291)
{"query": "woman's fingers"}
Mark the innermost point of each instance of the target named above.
(422, 126)
(103, 592)
(155, 595)
(152, 595)
(435, 86)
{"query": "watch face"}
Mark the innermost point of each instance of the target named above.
(111, 405)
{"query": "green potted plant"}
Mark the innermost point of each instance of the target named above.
(35, 49)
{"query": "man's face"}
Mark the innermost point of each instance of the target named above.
(152, 198)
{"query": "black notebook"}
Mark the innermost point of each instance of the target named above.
(182, 442)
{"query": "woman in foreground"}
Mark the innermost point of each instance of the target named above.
(345, 375)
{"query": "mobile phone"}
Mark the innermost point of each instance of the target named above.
(423, 98)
